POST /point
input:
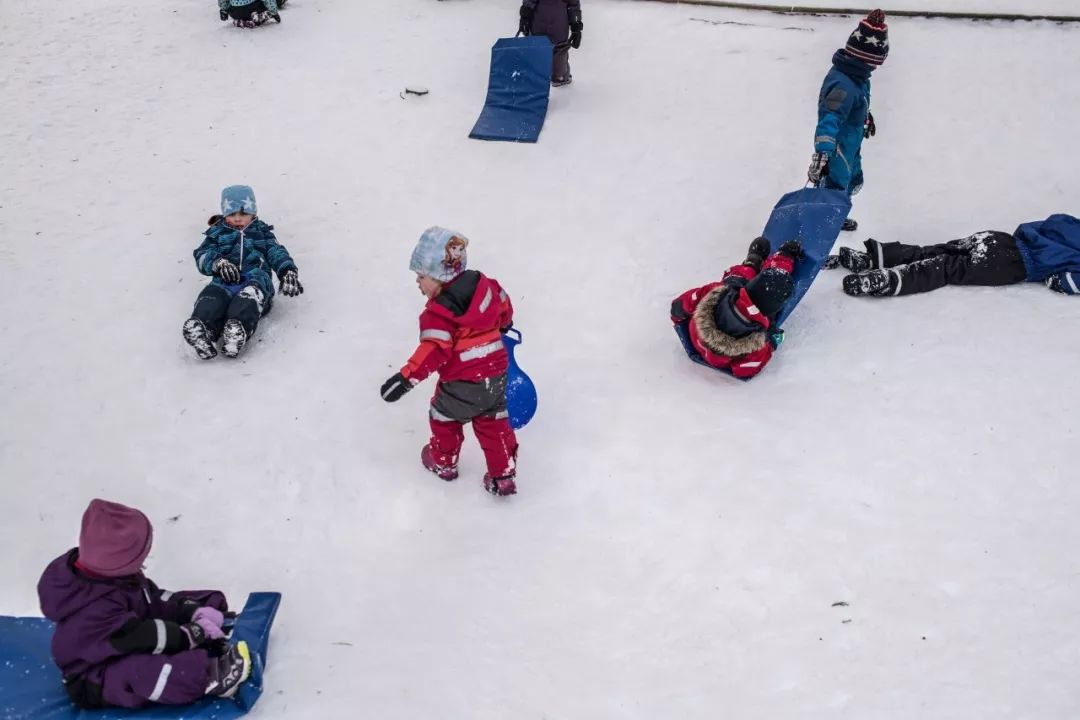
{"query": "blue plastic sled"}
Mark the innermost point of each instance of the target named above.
(520, 391)
(814, 217)
(30, 684)
(518, 88)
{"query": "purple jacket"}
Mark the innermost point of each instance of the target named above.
(97, 619)
(553, 17)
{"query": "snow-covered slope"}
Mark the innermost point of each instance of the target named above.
(680, 538)
(1019, 7)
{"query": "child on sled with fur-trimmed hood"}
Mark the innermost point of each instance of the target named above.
(730, 324)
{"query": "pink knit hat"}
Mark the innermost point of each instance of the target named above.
(115, 539)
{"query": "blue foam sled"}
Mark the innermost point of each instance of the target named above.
(520, 391)
(814, 217)
(518, 87)
(31, 687)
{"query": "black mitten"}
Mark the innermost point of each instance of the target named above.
(395, 388)
(870, 129)
(525, 25)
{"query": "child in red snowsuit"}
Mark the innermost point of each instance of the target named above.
(729, 325)
(461, 339)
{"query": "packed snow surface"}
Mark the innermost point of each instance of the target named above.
(680, 539)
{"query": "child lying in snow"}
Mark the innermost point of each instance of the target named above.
(119, 639)
(729, 324)
(1046, 251)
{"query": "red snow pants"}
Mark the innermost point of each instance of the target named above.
(484, 405)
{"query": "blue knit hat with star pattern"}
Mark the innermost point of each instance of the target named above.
(238, 198)
(870, 41)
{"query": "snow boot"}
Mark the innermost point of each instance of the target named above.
(197, 337)
(235, 337)
(757, 252)
(559, 82)
(850, 225)
(855, 260)
(446, 472)
(871, 282)
(502, 486)
(229, 671)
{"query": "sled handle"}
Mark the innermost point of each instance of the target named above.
(512, 335)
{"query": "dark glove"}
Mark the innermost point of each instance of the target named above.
(395, 388)
(525, 26)
(870, 129)
(575, 34)
(194, 633)
(225, 270)
(832, 262)
(290, 284)
(792, 248)
(224, 15)
(275, 17)
(678, 312)
(819, 167)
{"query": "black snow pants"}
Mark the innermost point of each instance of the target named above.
(552, 19)
(985, 258)
(215, 305)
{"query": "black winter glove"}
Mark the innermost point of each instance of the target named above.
(195, 634)
(1054, 283)
(275, 16)
(224, 15)
(678, 312)
(290, 284)
(225, 270)
(575, 34)
(832, 262)
(792, 249)
(395, 388)
(819, 167)
(525, 25)
(870, 129)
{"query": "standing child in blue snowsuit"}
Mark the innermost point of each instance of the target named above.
(250, 13)
(120, 640)
(560, 20)
(844, 118)
(1046, 251)
(239, 251)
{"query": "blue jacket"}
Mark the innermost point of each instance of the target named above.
(843, 105)
(261, 253)
(1051, 249)
(271, 5)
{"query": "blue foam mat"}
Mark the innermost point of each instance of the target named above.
(518, 87)
(31, 686)
(814, 217)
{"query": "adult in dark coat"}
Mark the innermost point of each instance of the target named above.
(560, 20)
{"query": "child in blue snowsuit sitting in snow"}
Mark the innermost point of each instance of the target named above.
(250, 13)
(1046, 251)
(844, 118)
(239, 251)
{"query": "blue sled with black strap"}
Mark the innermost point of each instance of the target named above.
(31, 686)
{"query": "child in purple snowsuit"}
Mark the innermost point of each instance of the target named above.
(560, 20)
(122, 641)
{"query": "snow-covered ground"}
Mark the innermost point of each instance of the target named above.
(679, 538)
(1019, 7)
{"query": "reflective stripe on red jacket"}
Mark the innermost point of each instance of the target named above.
(460, 331)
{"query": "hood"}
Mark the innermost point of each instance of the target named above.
(716, 340)
(472, 299)
(63, 592)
